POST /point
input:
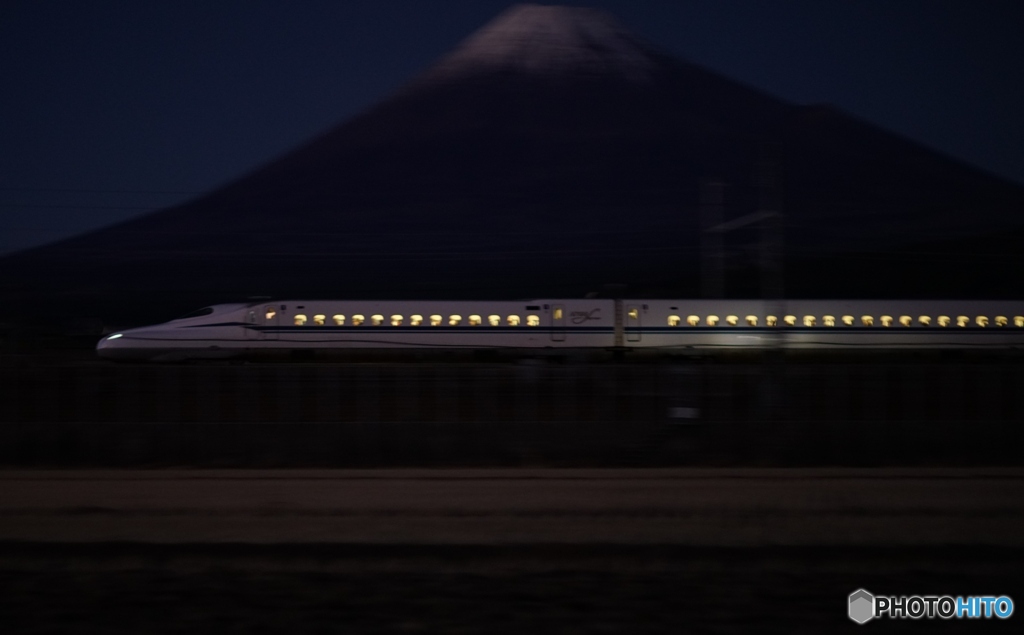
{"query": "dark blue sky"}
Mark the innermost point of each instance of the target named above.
(109, 109)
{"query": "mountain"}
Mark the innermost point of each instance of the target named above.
(554, 153)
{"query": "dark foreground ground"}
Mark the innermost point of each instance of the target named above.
(499, 550)
(521, 589)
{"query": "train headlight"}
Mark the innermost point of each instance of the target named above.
(115, 336)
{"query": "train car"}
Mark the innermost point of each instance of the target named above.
(798, 324)
(232, 330)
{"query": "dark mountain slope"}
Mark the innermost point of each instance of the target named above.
(552, 153)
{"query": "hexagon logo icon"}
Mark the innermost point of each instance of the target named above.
(862, 606)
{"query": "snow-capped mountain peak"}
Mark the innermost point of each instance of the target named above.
(549, 40)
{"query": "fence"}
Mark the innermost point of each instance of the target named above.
(665, 413)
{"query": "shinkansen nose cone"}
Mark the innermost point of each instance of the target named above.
(117, 346)
(213, 332)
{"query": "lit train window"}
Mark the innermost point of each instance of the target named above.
(674, 320)
(396, 320)
(751, 320)
(828, 320)
(886, 321)
(357, 320)
(453, 320)
(924, 320)
(377, 320)
(494, 320)
(633, 314)
(790, 320)
(732, 320)
(693, 320)
(944, 320)
(867, 320)
(558, 314)
(435, 320)
(771, 320)
(339, 320)
(300, 320)
(415, 320)
(474, 320)
(809, 320)
(962, 321)
(906, 320)
(848, 320)
(712, 320)
(981, 321)
(532, 320)
(319, 319)
(513, 320)
(1018, 321)
(1001, 320)
(270, 313)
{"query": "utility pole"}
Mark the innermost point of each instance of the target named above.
(712, 242)
(768, 181)
(772, 227)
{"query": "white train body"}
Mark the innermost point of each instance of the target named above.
(231, 330)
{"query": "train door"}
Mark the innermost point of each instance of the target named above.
(557, 323)
(271, 320)
(251, 322)
(632, 323)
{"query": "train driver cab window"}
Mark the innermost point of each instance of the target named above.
(674, 320)
(790, 320)
(494, 320)
(751, 320)
(300, 320)
(396, 320)
(339, 320)
(1018, 321)
(435, 320)
(848, 320)
(415, 320)
(693, 320)
(944, 321)
(712, 320)
(474, 320)
(828, 320)
(271, 312)
(771, 320)
(981, 321)
(809, 320)
(377, 320)
(532, 320)
(867, 320)
(962, 321)
(453, 320)
(513, 320)
(924, 320)
(886, 321)
(319, 319)
(732, 320)
(357, 320)
(1001, 320)
(905, 320)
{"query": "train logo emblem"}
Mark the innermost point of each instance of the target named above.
(579, 317)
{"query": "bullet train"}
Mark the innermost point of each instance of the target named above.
(324, 326)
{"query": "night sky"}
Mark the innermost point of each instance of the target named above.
(112, 109)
